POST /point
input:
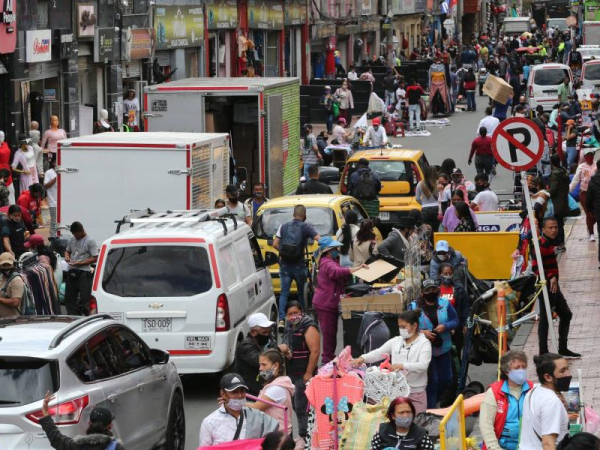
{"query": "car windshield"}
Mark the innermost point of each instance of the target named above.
(592, 72)
(26, 380)
(157, 271)
(550, 77)
(321, 218)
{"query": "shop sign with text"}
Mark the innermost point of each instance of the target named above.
(38, 46)
(295, 12)
(8, 26)
(221, 14)
(178, 26)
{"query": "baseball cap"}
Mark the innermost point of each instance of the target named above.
(570, 122)
(442, 246)
(376, 121)
(7, 258)
(34, 241)
(587, 151)
(24, 139)
(259, 320)
(307, 125)
(327, 88)
(456, 171)
(231, 382)
(428, 283)
(101, 415)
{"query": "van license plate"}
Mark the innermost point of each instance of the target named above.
(550, 92)
(149, 325)
(197, 342)
(384, 216)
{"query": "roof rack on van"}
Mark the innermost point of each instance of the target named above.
(74, 326)
(191, 216)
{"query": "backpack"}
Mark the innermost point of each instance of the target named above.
(27, 302)
(366, 189)
(292, 240)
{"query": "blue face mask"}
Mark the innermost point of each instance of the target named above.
(404, 422)
(334, 254)
(518, 376)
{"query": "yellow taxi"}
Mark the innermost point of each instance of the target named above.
(399, 171)
(324, 212)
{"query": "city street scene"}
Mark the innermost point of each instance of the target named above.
(382, 231)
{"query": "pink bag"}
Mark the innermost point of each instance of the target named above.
(242, 444)
(592, 421)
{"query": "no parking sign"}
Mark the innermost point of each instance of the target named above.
(517, 144)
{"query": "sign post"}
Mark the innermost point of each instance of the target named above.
(519, 155)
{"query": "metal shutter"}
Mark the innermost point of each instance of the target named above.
(132, 69)
(42, 70)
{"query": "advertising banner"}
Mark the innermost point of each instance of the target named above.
(265, 15)
(178, 26)
(295, 12)
(8, 26)
(104, 44)
(494, 221)
(221, 14)
(38, 46)
(138, 44)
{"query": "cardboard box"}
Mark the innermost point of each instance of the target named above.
(390, 303)
(216, 122)
(497, 89)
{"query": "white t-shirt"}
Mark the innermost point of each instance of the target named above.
(401, 96)
(132, 105)
(50, 175)
(352, 76)
(543, 413)
(276, 393)
(240, 210)
(486, 201)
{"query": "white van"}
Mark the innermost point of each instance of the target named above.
(543, 83)
(186, 283)
(590, 75)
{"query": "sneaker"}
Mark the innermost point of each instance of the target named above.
(281, 326)
(561, 249)
(569, 354)
(592, 238)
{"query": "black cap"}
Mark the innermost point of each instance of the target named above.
(101, 415)
(407, 222)
(363, 162)
(232, 381)
(24, 139)
(428, 283)
(231, 189)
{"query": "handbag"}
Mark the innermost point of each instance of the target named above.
(336, 109)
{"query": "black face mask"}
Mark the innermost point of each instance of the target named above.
(7, 272)
(262, 339)
(480, 188)
(562, 384)
(233, 200)
(431, 297)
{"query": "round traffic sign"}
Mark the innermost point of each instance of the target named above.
(517, 144)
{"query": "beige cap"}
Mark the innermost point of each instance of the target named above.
(7, 258)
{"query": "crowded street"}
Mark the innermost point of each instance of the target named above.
(300, 225)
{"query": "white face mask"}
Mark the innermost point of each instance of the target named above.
(405, 334)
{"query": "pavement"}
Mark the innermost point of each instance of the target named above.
(580, 284)
(452, 141)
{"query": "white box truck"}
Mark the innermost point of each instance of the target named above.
(106, 176)
(261, 114)
(591, 33)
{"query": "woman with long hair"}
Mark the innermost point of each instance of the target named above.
(410, 352)
(450, 221)
(426, 194)
(346, 236)
(401, 432)
(277, 387)
(364, 245)
(465, 221)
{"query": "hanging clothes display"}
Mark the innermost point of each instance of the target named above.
(439, 93)
(363, 425)
(42, 285)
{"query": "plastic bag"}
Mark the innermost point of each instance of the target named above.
(592, 421)
(336, 109)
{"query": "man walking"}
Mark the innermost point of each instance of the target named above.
(310, 151)
(481, 147)
(12, 287)
(257, 200)
(414, 93)
(313, 185)
(592, 201)
(235, 206)
(81, 252)
(364, 184)
(489, 122)
(558, 302)
(559, 194)
(290, 241)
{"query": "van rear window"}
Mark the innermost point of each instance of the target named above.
(592, 72)
(26, 380)
(157, 271)
(550, 77)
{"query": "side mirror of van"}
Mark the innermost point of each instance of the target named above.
(159, 356)
(271, 259)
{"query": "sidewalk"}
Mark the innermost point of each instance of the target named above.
(580, 283)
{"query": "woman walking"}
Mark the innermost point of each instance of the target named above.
(331, 282)
(465, 221)
(344, 96)
(346, 236)
(582, 177)
(410, 352)
(326, 102)
(426, 195)
(364, 245)
(470, 84)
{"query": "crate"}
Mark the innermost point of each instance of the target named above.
(387, 303)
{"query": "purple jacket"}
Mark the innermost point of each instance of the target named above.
(331, 283)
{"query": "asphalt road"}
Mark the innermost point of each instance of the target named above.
(452, 141)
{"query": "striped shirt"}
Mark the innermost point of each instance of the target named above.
(549, 259)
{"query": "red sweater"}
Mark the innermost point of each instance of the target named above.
(481, 146)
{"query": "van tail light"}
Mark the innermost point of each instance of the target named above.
(66, 413)
(222, 321)
(530, 91)
(93, 305)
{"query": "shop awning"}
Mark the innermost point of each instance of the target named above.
(2, 69)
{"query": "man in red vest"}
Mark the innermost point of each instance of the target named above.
(502, 407)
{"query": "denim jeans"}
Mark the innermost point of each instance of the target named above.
(471, 101)
(571, 156)
(390, 98)
(287, 273)
(300, 403)
(329, 120)
(414, 111)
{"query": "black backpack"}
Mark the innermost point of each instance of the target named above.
(366, 188)
(292, 239)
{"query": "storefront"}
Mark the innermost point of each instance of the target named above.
(368, 43)
(295, 38)
(8, 43)
(322, 44)
(265, 25)
(408, 21)
(137, 64)
(179, 40)
(345, 44)
(221, 22)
